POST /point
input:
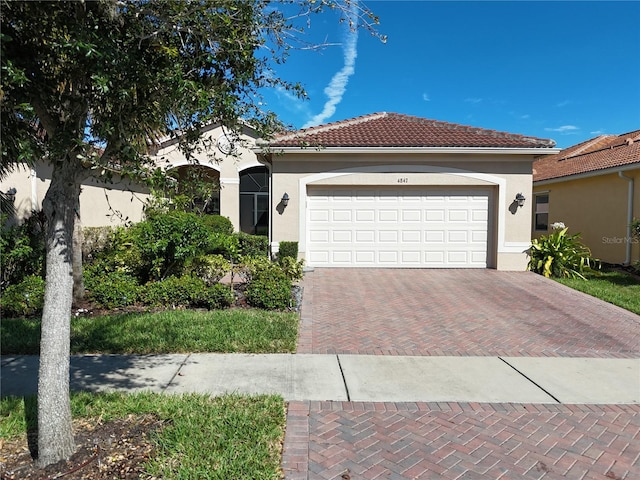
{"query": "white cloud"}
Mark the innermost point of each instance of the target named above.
(338, 85)
(564, 103)
(564, 129)
(526, 116)
(425, 97)
(473, 100)
(290, 101)
(597, 132)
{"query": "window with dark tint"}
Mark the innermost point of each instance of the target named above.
(541, 216)
(254, 201)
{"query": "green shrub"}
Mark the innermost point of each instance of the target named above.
(22, 249)
(217, 296)
(292, 268)
(222, 244)
(249, 267)
(167, 241)
(184, 291)
(253, 245)
(218, 224)
(110, 289)
(23, 299)
(210, 268)
(270, 289)
(288, 250)
(560, 255)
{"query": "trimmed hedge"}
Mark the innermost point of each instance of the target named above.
(253, 245)
(270, 289)
(288, 249)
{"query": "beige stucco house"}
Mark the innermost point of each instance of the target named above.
(594, 189)
(382, 190)
(390, 190)
(228, 161)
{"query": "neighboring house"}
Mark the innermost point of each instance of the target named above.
(594, 189)
(390, 190)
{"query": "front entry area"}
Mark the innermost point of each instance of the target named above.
(426, 227)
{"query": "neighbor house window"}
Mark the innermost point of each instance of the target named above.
(254, 201)
(541, 215)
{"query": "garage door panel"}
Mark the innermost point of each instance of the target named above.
(387, 236)
(434, 215)
(388, 215)
(365, 236)
(441, 228)
(434, 236)
(341, 215)
(319, 215)
(319, 236)
(459, 236)
(411, 236)
(342, 236)
(365, 256)
(386, 257)
(410, 215)
(458, 216)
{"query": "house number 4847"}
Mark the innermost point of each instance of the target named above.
(403, 180)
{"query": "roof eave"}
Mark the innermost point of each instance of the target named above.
(592, 173)
(538, 151)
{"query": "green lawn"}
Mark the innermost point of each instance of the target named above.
(171, 331)
(228, 437)
(615, 287)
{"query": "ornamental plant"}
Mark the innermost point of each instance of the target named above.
(560, 254)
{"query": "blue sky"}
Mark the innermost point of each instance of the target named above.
(562, 70)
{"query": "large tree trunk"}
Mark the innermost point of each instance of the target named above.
(78, 280)
(55, 432)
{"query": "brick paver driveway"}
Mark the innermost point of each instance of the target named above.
(458, 312)
(450, 312)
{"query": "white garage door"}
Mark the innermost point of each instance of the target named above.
(357, 227)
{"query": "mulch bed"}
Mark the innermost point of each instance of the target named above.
(105, 450)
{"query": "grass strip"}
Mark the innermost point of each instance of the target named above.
(231, 436)
(618, 288)
(171, 331)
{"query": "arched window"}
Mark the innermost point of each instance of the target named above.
(254, 201)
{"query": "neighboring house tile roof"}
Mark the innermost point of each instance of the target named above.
(396, 130)
(599, 153)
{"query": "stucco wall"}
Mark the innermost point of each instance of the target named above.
(596, 207)
(100, 203)
(228, 167)
(507, 175)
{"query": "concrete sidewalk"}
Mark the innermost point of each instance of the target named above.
(356, 378)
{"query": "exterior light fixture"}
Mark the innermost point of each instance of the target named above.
(11, 194)
(285, 199)
(520, 198)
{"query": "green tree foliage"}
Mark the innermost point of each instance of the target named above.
(91, 87)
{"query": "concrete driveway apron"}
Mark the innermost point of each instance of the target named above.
(525, 321)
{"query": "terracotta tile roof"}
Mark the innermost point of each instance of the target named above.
(396, 130)
(599, 153)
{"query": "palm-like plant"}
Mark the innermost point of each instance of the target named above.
(560, 255)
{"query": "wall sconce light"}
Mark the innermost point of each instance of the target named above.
(11, 194)
(285, 199)
(520, 198)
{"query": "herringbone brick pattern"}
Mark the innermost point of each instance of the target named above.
(335, 440)
(458, 312)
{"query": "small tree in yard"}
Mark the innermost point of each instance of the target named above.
(93, 85)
